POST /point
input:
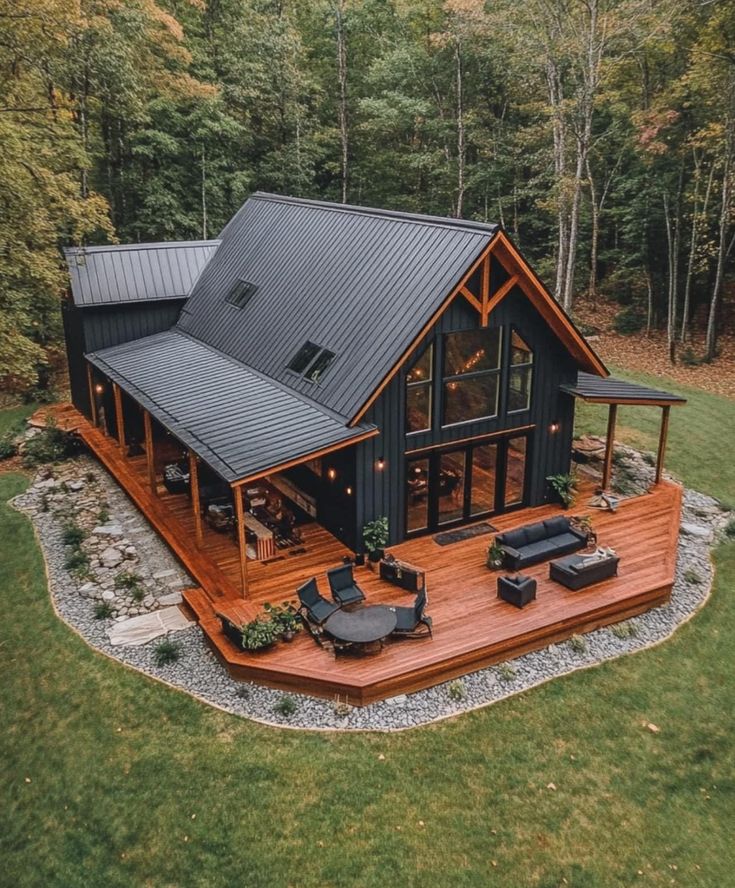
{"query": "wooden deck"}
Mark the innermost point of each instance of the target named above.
(472, 627)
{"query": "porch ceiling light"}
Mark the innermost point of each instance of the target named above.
(99, 388)
(331, 474)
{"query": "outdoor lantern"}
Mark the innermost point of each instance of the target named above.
(99, 388)
(554, 428)
(380, 464)
(331, 474)
(349, 491)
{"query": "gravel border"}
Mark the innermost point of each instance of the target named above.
(199, 673)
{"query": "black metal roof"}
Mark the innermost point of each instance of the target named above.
(135, 272)
(359, 282)
(234, 418)
(608, 390)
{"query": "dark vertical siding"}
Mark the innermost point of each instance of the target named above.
(383, 493)
(89, 329)
(75, 349)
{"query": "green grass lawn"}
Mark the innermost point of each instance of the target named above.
(11, 417)
(107, 778)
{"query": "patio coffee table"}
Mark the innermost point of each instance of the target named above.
(363, 626)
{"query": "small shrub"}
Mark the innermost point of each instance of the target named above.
(691, 576)
(51, 444)
(137, 593)
(629, 320)
(625, 629)
(103, 516)
(90, 476)
(286, 706)
(688, 358)
(73, 535)
(577, 644)
(243, 692)
(730, 528)
(456, 690)
(76, 560)
(506, 672)
(165, 652)
(648, 458)
(102, 610)
(341, 708)
(127, 580)
(8, 447)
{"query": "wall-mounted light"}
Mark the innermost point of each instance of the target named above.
(349, 491)
(99, 388)
(331, 474)
(380, 464)
(554, 427)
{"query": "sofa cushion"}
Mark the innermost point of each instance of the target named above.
(565, 539)
(516, 539)
(536, 532)
(539, 549)
(555, 526)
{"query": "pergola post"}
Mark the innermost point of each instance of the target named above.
(194, 488)
(241, 540)
(609, 445)
(663, 435)
(119, 418)
(92, 395)
(150, 456)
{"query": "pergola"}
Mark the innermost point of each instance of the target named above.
(615, 392)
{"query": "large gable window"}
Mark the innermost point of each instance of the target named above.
(520, 376)
(311, 361)
(241, 293)
(418, 392)
(471, 375)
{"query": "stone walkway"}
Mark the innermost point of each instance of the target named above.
(120, 543)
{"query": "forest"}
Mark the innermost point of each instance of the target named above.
(599, 133)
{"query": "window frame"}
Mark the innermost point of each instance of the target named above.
(241, 293)
(525, 365)
(422, 383)
(477, 374)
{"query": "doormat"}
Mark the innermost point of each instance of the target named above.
(464, 533)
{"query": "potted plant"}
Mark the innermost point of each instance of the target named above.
(259, 634)
(359, 559)
(583, 523)
(375, 536)
(564, 487)
(285, 619)
(495, 556)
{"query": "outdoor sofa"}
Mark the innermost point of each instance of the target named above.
(538, 542)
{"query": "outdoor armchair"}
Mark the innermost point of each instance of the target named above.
(412, 622)
(344, 588)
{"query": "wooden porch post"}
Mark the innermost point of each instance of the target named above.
(92, 395)
(609, 446)
(150, 456)
(663, 435)
(119, 417)
(194, 488)
(242, 542)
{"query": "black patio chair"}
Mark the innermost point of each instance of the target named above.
(344, 588)
(412, 622)
(315, 606)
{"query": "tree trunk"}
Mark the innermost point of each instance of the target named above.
(556, 96)
(204, 194)
(342, 79)
(461, 159)
(726, 193)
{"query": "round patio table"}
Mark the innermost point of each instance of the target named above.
(363, 626)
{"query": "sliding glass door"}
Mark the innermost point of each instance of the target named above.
(457, 484)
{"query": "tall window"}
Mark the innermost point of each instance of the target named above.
(471, 375)
(520, 377)
(418, 392)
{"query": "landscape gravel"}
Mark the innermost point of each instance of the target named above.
(50, 503)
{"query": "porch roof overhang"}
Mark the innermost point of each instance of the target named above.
(609, 390)
(240, 422)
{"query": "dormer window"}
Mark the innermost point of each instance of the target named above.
(241, 293)
(311, 361)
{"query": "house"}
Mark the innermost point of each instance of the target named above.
(342, 363)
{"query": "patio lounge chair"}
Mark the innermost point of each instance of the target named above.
(344, 588)
(410, 620)
(314, 606)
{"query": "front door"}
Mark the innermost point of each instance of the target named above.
(456, 485)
